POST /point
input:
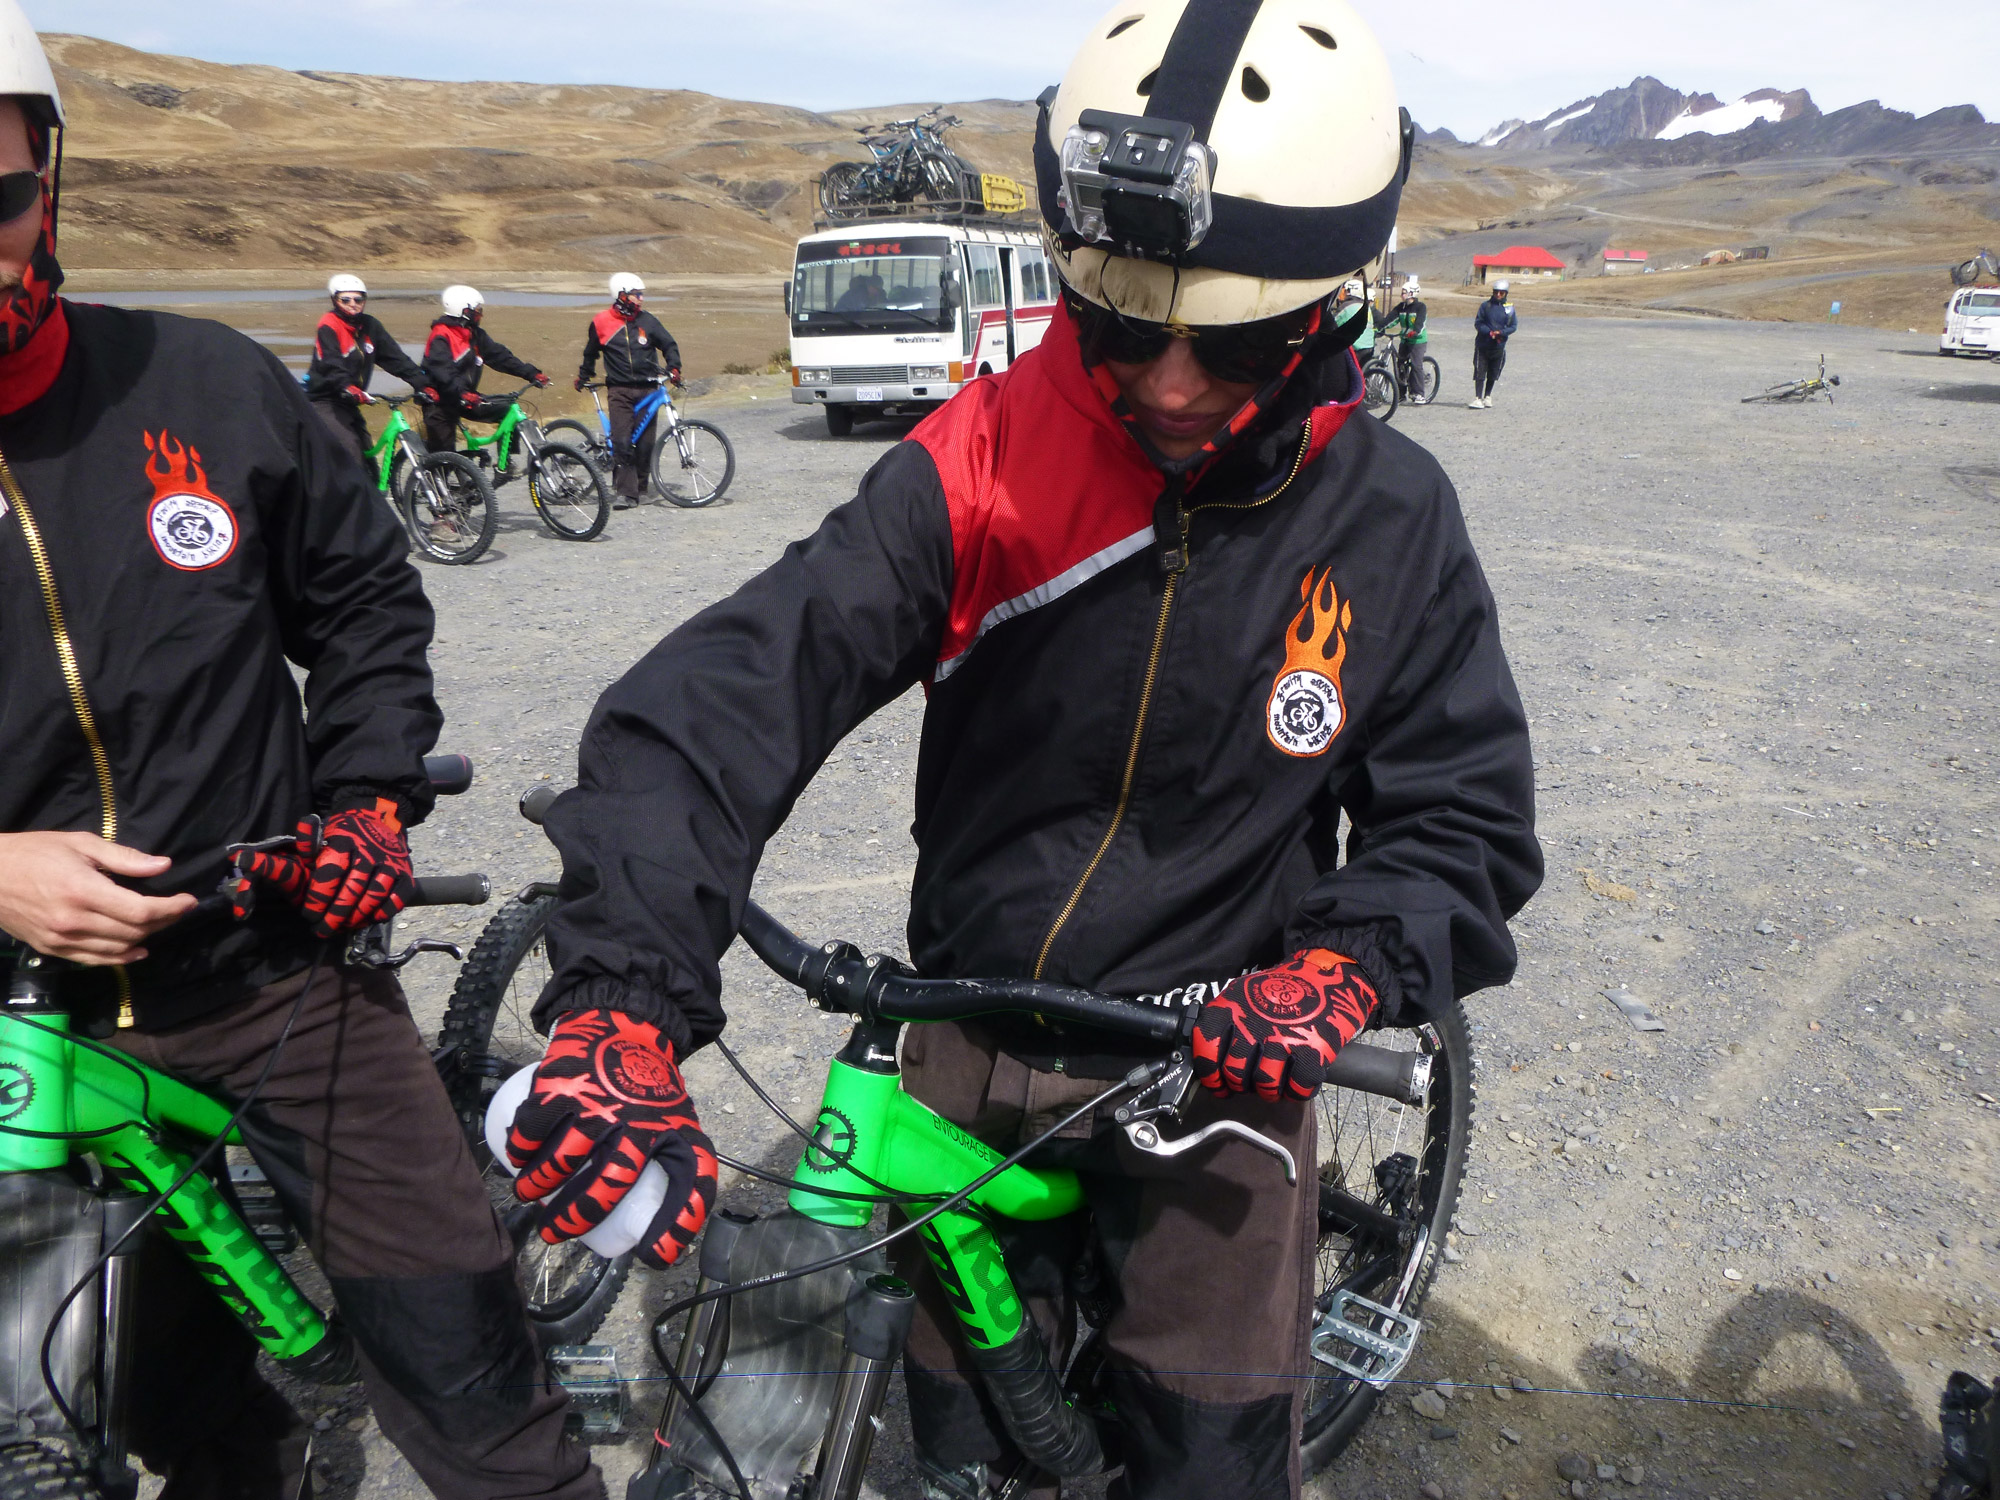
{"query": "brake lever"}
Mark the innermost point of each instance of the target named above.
(1167, 1097)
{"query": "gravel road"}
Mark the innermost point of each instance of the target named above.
(1733, 1257)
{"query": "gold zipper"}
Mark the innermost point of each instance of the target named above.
(1146, 700)
(79, 700)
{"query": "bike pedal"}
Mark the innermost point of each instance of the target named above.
(1379, 1357)
(589, 1372)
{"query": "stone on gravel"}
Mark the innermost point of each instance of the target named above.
(1429, 1404)
(1443, 1433)
(1432, 1490)
(1573, 1466)
(1633, 1473)
(1511, 1435)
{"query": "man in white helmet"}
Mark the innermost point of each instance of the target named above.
(1492, 326)
(1352, 302)
(171, 550)
(347, 346)
(638, 351)
(459, 348)
(1409, 322)
(1178, 616)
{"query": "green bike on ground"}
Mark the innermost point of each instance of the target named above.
(440, 497)
(793, 1331)
(568, 492)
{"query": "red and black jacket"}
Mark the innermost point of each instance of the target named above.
(202, 538)
(456, 353)
(345, 355)
(637, 351)
(1151, 706)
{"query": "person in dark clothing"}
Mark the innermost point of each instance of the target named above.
(170, 549)
(1409, 324)
(1178, 616)
(347, 346)
(638, 351)
(458, 349)
(1492, 326)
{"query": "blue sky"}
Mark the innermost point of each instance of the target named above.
(1457, 64)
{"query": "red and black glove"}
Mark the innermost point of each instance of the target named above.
(1276, 1030)
(541, 381)
(428, 396)
(675, 374)
(606, 1099)
(578, 382)
(358, 396)
(345, 872)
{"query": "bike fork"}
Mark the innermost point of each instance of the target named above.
(704, 1342)
(877, 1323)
(119, 1310)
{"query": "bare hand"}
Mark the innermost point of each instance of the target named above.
(55, 897)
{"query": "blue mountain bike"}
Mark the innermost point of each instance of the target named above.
(693, 462)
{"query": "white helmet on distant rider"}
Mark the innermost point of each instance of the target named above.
(1214, 162)
(1503, 286)
(626, 290)
(462, 302)
(1411, 286)
(342, 283)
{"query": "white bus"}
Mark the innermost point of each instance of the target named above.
(1972, 322)
(893, 316)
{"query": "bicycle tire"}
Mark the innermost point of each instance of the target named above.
(938, 179)
(693, 484)
(1336, 1404)
(837, 184)
(486, 1037)
(1380, 397)
(1430, 380)
(32, 1471)
(569, 492)
(449, 509)
(592, 444)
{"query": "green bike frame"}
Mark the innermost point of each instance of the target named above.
(385, 448)
(500, 440)
(868, 1127)
(62, 1097)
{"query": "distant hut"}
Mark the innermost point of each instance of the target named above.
(1517, 263)
(1720, 258)
(1624, 262)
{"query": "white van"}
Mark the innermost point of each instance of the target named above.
(1972, 322)
(893, 316)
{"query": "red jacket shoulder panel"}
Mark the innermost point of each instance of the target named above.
(607, 325)
(344, 339)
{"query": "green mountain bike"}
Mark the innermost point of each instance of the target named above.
(568, 492)
(794, 1329)
(441, 498)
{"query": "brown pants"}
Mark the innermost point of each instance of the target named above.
(631, 463)
(356, 1133)
(1208, 1259)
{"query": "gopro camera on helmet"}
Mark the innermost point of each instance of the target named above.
(1137, 184)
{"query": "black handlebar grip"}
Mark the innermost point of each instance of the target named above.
(451, 890)
(535, 804)
(449, 774)
(1374, 1070)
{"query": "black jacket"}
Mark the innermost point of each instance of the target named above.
(345, 354)
(202, 535)
(636, 351)
(454, 356)
(1494, 320)
(1148, 713)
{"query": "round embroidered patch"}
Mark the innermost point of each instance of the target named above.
(1304, 712)
(192, 531)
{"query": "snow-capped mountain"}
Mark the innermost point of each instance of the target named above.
(1646, 109)
(1766, 105)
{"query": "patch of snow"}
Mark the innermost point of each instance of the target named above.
(1499, 132)
(1724, 121)
(1582, 109)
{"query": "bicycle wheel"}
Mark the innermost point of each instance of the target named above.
(1379, 396)
(1379, 1157)
(1427, 378)
(837, 186)
(1784, 392)
(940, 179)
(588, 441)
(485, 1039)
(569, 492)
(693, 464)
(449, 508)
(30, 1471)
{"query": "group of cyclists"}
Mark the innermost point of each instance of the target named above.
(350, 343)
(1178, 618)
(1408, 324)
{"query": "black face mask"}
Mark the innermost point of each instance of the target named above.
(25, 308)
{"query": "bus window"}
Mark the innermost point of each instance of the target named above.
(871, 286)
(983, 262)
(1035, 286)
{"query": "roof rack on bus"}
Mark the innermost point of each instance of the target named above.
(964, 212)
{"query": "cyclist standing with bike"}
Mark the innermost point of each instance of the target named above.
(1178, 615)
(1409, 322)
(638, 352)
(347, 346)
(169, 549)
(458, 349)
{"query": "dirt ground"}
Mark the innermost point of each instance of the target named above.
(1734, 1257)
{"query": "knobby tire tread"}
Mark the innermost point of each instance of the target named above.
(489, 517)
(600, 514)
(35, 1471)
(668, 476)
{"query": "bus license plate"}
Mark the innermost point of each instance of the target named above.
(868, 393)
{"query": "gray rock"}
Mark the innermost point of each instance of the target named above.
(1574, 1466)
(1607, 1471)
(1429, 1404)
(1766, 927)
(1511, 1435)
(1443, 1433)
(1432, 1490)
(1633, 1473)
(1522, 1383)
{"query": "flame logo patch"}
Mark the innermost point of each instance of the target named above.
(192, 527)
(1306, 709)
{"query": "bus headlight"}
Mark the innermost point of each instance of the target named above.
(921, 373)
(815, 377)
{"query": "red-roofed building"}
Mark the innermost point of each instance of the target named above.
(1516, 260)
(1624, 262)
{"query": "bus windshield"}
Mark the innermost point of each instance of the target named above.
(872, 286)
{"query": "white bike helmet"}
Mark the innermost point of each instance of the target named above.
(461, 300)
(625, 282)
(1356, 287)
(1412, 285)
(1503, 285)
(343, 282)
(1268, 161)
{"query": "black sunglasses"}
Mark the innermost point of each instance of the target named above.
(19, 192)
(1240, 353)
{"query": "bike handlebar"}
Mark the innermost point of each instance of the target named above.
(450, 890)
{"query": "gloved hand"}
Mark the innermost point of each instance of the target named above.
(1276, 1030)
(427, 395)
(579, 382)
(675, 374)
(606, 1099)
(344, 872)
(541, 381)
(359, 397)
